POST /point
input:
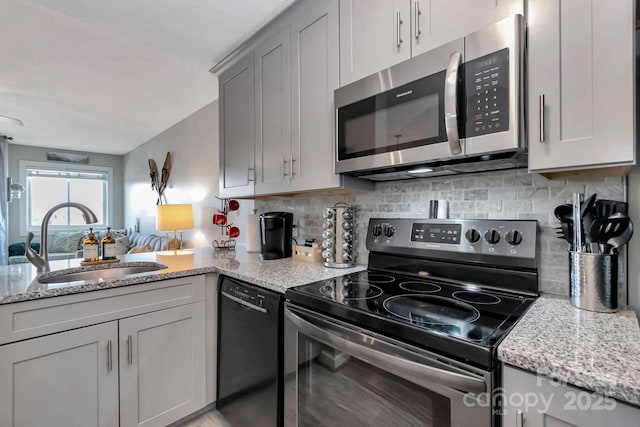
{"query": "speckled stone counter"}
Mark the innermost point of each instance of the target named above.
(18, 281)
(595, 351)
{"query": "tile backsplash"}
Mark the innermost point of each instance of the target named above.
(513, 194)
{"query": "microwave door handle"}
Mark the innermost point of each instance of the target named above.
(415, 372)
(451, 103)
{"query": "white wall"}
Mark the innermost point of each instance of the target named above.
(193, 144)
(24, 152)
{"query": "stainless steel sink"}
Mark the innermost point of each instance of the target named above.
(114, 272)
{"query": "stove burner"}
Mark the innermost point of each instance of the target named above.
(353, 291)
(430, 310)
(376, 278)
(476, 297)
(423, 287)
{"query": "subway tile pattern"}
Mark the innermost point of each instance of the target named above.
(512, 194)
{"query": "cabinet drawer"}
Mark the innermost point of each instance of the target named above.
(35, 318)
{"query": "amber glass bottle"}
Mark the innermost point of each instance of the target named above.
(108, 246)
(90, 247)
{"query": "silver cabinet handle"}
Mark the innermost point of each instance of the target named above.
(541, 118)
(284, 167)
(451, 103)
(292, 160)
(398, 24)
(416, 13)
(415, 372)
(109, 356)
(130, 350)
(519, 418)
(249, 174)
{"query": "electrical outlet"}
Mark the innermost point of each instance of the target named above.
(295, 229)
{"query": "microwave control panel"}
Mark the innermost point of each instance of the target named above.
(487, 94)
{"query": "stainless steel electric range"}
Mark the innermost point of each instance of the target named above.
(412, 340)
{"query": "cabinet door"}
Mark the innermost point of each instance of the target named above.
(436, 22)
(273, 115)
(314, 77)
(237, 171)
(537, 401)
(64, 379)
(581, 60)
(374, 34)
(162, 366)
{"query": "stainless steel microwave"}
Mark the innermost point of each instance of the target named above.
(457, 108)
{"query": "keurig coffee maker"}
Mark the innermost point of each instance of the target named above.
(275, 235)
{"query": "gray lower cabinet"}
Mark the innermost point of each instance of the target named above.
(537, 401)
(64, 379)
(143, 364)
(237, 127)
(581, 84)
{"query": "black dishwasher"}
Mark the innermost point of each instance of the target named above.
(250, 363)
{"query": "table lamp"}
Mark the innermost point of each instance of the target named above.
(174, 219)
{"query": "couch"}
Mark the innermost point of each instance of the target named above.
(63, 245)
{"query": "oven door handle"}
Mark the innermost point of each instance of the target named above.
(451, 103)
(417, 373)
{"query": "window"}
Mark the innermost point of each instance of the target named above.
(47, 185)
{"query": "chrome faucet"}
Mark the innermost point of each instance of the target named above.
(41, 261)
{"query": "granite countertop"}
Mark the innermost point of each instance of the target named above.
(595, 351)
(18, 281)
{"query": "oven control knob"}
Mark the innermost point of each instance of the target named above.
(377, 230)
(389, 231)
(513, 237)
(492, 236)
(472, 235)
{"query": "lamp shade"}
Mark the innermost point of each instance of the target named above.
(174, 217)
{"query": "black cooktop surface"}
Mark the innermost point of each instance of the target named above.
(464, 321)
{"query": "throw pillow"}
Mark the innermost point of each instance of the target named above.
(65, 241)
(122, 245)
(138, 250)
(17, 249)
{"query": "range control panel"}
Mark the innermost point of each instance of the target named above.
(426, 237)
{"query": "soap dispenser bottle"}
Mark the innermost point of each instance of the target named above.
(90, 247)
(108, 246)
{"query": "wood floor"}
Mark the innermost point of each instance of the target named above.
(212, 418)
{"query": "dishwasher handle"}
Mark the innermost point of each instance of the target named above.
(244, 303)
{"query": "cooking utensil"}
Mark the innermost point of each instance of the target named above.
(586, 218)
(606, 208)
(577, 222)
(604, 229)
(565, 231)
(563, 211)
(626, 234)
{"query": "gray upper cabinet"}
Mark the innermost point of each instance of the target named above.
(436, 22)
(377, 34)
(314, 77)
(236, 85)
(277, 127)
(374, 34)
(581, 84)
(273, 115)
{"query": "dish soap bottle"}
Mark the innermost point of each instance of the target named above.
(90, 247)
(108, 246)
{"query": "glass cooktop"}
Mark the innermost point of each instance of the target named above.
(463, 321)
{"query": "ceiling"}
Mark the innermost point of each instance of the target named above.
(107, 76)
